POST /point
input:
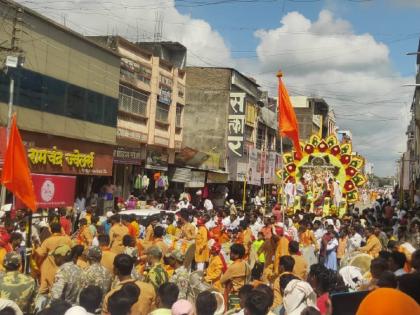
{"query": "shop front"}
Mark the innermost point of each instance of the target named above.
(128, 169)
(91, 164)
(156, 171)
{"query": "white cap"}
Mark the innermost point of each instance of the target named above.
(231, 201)
(198, 193)
(109, 214)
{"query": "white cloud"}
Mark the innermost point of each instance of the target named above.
(326, 58)
(135, 20)
(353, 72)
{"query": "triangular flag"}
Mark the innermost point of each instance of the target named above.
(288, 125)
(16, 175)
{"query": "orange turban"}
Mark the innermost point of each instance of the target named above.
(385, 301)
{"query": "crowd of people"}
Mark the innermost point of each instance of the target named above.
(205, 261)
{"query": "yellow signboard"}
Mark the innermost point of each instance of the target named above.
(56, 157)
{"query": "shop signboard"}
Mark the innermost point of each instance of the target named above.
(128, 156)
(57, 155)
(52, 191)
(235, 133)
(197, 180)
(157, 160)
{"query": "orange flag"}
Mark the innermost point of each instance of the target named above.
(16, 175)
(288, 125)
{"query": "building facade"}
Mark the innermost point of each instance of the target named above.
(226, 119)
(150, 109)
(65, 96)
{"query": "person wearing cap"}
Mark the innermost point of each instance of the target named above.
(96, 274)
(217, 266)
(67, 280)
(116, 234)
(201, 255)
(157, 275)
(181, 275)
(46, 262)
(232, 207)
(16, 286)
(281, 250)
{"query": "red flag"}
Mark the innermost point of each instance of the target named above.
(16, 175)
(288, 125)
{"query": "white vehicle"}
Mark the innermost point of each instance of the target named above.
(145, 215)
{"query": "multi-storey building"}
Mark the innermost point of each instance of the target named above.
(65, 96)
(150, 109)
(226, 120)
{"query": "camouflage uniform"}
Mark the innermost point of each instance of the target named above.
(98, 275)
(157, 276)
(15, 286)
(66, 284)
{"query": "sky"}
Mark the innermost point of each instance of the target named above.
(352, 53)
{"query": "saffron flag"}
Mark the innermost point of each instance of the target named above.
(288, 125)
(16, 175)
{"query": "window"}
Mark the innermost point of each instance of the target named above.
(29, 90)
(132, 71)
(133, 101)
(181, 91)
(260, 137)
(162, 112)
(94, 106)
(178, 117)
(41, 92)
(249, 133)
(75, 102)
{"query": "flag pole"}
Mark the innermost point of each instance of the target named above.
(282, 206)
(9, 119)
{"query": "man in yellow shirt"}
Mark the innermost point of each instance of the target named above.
(123, 265)
(238, 272)
(116, 234)
(201, 254)
(47, 264)
(217, 266)
(281, 250)
(286, 265)
(373, 244)
(300, 268)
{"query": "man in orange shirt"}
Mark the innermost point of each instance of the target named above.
(281, 250)
(125, 220)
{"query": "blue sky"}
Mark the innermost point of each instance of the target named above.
(396, 24)
(349, 52)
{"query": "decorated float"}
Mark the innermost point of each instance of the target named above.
(325, 179)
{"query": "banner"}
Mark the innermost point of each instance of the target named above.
(52, 191)
(270, 168)
(254, 167)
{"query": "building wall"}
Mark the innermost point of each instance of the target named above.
(206, 111)
(54, 54)
(149, 127)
